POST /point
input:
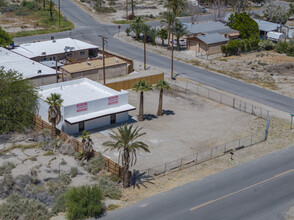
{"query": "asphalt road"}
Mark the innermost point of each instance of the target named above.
(260, 189)
(88, 29)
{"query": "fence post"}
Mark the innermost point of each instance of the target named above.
(181, 164)
(233, 102)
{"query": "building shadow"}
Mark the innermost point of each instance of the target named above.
(168, 112)
(149, 117)
(139, 178)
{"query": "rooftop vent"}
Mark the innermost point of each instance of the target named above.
(43, 53)
(116, 60)
(52, 37)
(39, 71)
(89, 63)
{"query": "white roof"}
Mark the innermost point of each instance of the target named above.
(275, 35)
(84, 117)
(51, 47)
(28, 68)
(78, 91)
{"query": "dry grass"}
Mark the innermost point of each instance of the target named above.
(19, 146)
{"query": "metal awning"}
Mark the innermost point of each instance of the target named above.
(99, 114)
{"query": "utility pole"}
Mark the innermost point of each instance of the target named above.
(103, 57)
(172, 58)
(59, 13)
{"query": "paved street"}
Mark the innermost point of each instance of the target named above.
(260, 189)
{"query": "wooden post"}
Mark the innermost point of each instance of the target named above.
(103, 57)
(172, 58)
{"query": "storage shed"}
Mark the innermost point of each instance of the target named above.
(276, 36)
(87, 105)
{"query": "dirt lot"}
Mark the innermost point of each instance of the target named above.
(190, 125)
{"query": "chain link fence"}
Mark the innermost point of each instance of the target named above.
(222, 98)
(205, 155)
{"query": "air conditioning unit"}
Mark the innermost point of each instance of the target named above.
(39, 71)
(43, 53)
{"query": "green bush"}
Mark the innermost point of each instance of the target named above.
(95, 164)
(55, 187)
(84, 202)
(109, 188)
(8, 181)
(266, 45)
(17, 207)
(282, 47)
(74, 172)
(59, 205)
(6, 168)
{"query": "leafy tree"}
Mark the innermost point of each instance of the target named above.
(162, 34)
(169, 18)
(176, 6)
(162, 84)
(136, 27)
(54, 113)
(141, 86)
(17, 101)
(145, 31)
(277, 14)
(153, 33)
(5, 39)
(84, 202)
(125, 142)
(87, 145)
(179, 31)
(242, 22)
(266, 45)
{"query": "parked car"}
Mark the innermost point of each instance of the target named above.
(182, 42)
(203, 9)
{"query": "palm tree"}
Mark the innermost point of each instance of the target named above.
(141, 86)
(136, 27)
(169, 18)
(125, 142)
(162, 34)
(132, 6)
(179, 30)
(87, 146)
(54, 113)
(162, 84)
(153, 33)
(145, 31)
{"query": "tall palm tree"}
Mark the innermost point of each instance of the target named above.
(136, 26)
(141, 86)
(179, 30)
(169, 18)
(162, 84)
(125, 142)
(153, 33)
(87, 146)
(145, 31)
(54, 113)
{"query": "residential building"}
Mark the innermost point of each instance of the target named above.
(93, 69)
(266, 26)
(86, 105)
(206, 44)
(57, 49)
(38, 73)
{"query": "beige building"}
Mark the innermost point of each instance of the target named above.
(93, 69)
(206, 44)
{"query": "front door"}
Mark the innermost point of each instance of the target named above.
(113, 119)
(81, 126)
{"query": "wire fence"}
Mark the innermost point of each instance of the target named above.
(205, 155)
(222, 98)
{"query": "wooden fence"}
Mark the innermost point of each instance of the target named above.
(111, 166)
(128, 84)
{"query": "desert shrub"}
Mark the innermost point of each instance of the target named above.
(266, 45)
(31, 5)
(6, 168)
(82, 202)
(48, 153)
(95, 164)
(112, 207)
(8, 181)
(74, 172)
(282, 47)
(109, 188)
(114, 178)
(59, 205)
(55, 187)
(17, 207)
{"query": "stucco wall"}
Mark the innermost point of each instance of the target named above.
(98, 122)
(60, 56)
(44, 80)
(121, 117)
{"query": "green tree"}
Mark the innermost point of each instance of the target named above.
(179, 31)
(54, 113)
(87, 146)
(124, 141)
(162, 84)
(162, 34)
(84, 202)
(153, 33)
(5, 39)
(176, 6)
(246, 26)
(17, 101)
(136, 27)
(169, 18)
(145, 31)
(141, 86)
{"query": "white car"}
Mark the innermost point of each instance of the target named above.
(182, 42)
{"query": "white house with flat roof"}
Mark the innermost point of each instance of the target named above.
(87, 105)
(38, 73)
(57, 49)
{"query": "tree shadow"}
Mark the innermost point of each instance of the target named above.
(168, 112)
(149, 117)
(139, 178)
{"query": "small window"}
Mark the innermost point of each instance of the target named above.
(52, 58)
(69, 55)
(82, 53)
(113, 119)
(43, 59)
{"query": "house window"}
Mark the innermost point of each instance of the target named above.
(52, 58)
(69, 55)
(82, 53)
(113, 119)
(43, 59)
